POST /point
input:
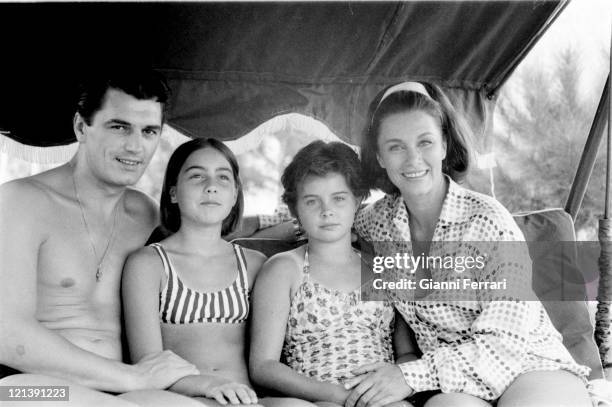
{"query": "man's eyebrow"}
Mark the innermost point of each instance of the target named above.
(153, 127)
(118, 121)
(126, 123)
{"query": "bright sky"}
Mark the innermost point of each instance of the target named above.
(584, 25)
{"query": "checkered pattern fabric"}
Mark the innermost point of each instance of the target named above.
(476, 347)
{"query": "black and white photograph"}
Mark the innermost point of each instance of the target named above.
(306, 203)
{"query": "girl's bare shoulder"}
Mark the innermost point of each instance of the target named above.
(255, 261)
(144, 261)
(286, 266)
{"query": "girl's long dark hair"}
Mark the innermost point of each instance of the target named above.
(170, 212)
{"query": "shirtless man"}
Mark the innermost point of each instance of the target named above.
(65, 235)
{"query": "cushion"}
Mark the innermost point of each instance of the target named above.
(560, 283)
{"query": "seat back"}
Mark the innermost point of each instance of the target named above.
(559, 282)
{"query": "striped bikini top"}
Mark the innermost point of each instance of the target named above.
(179, 304)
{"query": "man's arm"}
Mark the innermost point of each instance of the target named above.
(28, 346)
(280, 225)
(247, 227)
(251, 226)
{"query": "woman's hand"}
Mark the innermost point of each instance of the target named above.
(224, 391)
(376, 385)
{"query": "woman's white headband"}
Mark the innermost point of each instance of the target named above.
(405, 87)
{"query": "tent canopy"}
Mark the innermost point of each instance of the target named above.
(232, 66)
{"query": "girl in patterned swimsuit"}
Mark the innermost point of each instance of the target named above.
(307, 306)
(189, 294)
(497, 347)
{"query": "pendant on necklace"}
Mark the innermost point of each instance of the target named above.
(110, 241)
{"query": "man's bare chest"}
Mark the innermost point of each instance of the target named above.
(74, 259)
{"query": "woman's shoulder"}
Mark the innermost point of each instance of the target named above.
(482, 204)
(485, 211)
(374, 213)
(387, 202)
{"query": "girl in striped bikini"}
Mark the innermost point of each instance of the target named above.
(189, 293)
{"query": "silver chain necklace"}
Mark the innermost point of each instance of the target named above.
(99, 270)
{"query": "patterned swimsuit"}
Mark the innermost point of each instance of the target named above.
(331, 332)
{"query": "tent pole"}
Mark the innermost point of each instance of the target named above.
(589, 154)
(609, 150)
(603, 334)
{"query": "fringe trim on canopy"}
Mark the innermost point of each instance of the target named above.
(284, 122)
(287, 122)
(37, 155)
(173, 136)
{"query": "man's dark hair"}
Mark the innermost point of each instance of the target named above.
(141, 84)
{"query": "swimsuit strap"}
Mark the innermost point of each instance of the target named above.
(306, 266)
(183, 305)
(171, 282)
(164, 258)
(243, 277)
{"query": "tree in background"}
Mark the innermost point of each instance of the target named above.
(261, 168)
(543, 124)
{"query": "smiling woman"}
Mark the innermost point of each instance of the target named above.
(416, 150)
(411, 150)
